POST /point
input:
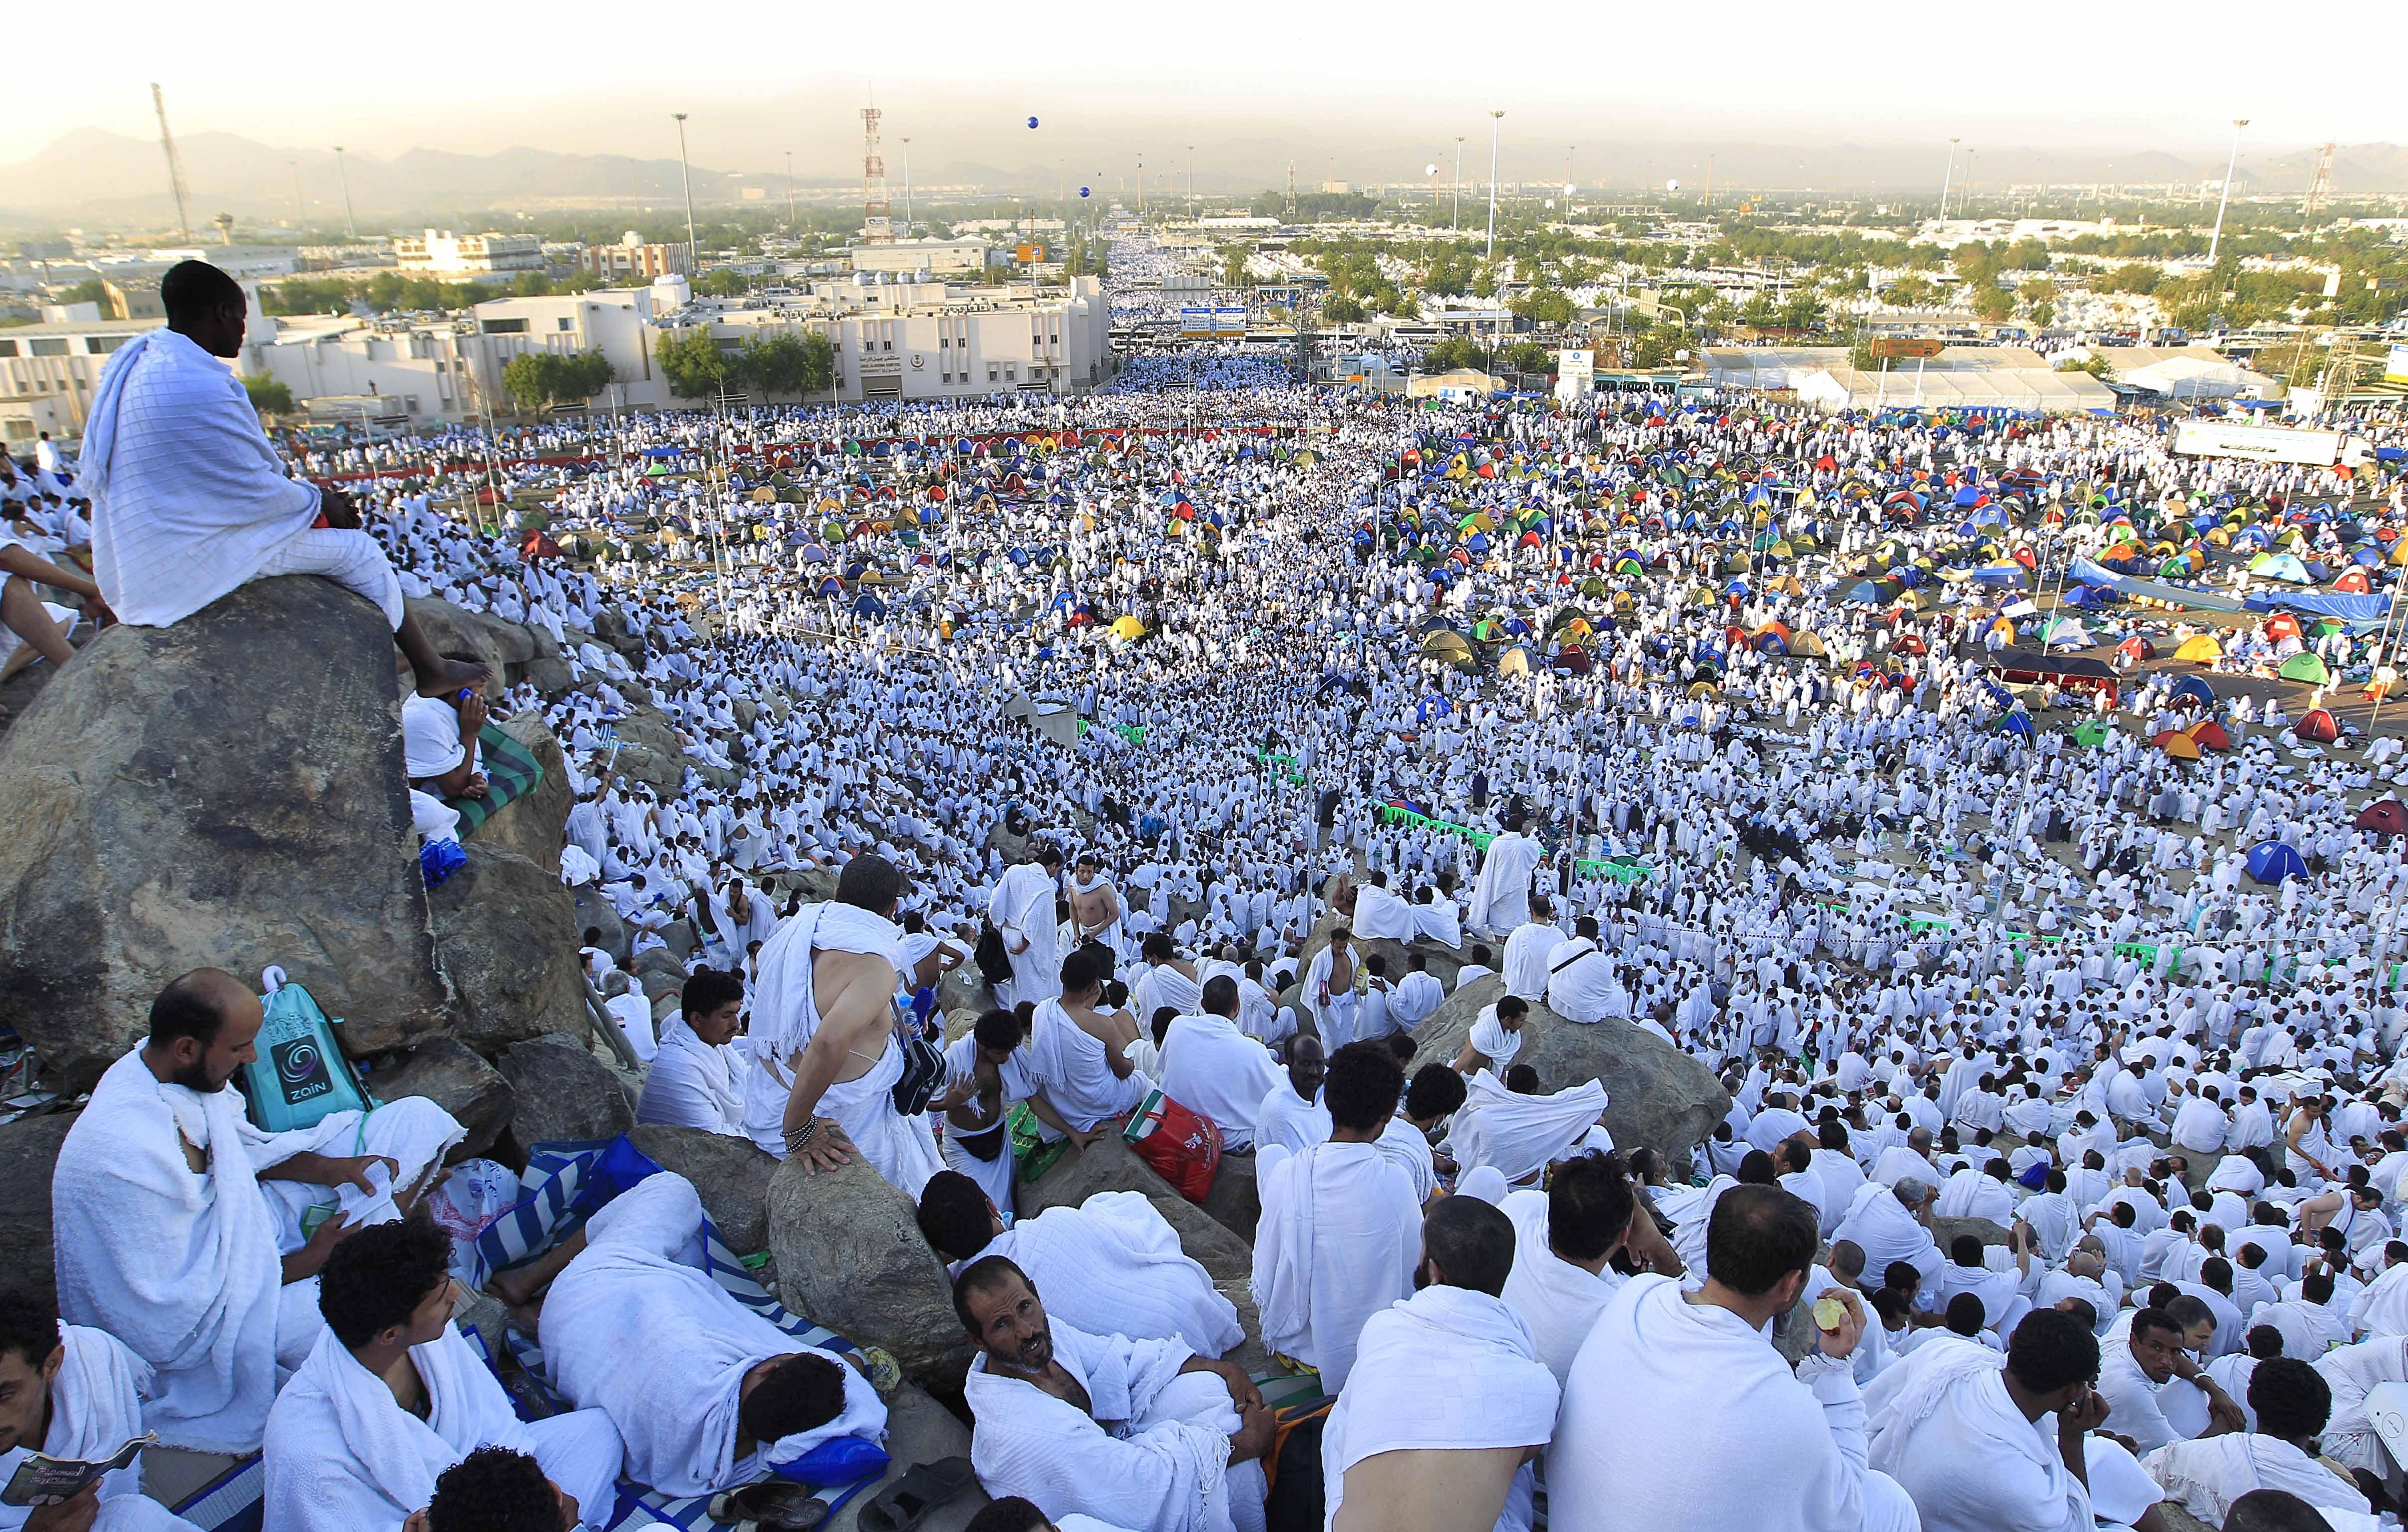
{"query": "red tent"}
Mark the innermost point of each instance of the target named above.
(537, 545)
(2136, 648)
(2385, 816)
(2281, 625)
(2352, 580)
(2317, 724)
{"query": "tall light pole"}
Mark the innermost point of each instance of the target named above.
(907, 186)
(790, 190)
(343, 171)
(1948, 178)
(692, 246)
(1455, 219)
(2225, 196)
(1493, 119)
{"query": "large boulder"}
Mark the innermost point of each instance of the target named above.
(849, 1255)
(1446, 963)
(1110, 1166)
(548, 671)
(446, 1073)
(507, 934)
(507, 647)
(29, 1152)
(536, 826)
(228, 793)
(564, 1093)
(1656, 1095)
(729, 1170)
(593, 911)
(652, 752)
(1235, 1202)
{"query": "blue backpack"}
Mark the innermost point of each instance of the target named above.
(300, 1077)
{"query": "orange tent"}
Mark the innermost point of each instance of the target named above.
(2281, 625)
(2176, 743)
(2354, 581)
(2210, 735)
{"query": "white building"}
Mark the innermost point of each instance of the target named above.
(444, 253)
(938, 257)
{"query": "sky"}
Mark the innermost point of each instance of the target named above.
(1372, 94)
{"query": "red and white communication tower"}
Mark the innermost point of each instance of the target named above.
(877, 213)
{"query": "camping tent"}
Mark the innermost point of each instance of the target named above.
(2176, 743)
(2209, 735)
(2200, 649)
(2317, 724)
(2305, 667)
(2271, 861)
(2385, 816)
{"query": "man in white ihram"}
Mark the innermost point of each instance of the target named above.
(188, 502)
(1663, 1371)
(825, 1053)
(1502, 894)
(1216, 1071)
(1023, 911)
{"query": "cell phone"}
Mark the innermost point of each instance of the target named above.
(466, 692)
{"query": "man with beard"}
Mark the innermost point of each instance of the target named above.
(1180, 1452)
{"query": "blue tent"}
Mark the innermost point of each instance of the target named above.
(2017, 723)
(2271, 861)
(2192, 686)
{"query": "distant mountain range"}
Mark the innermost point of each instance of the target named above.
(95, 175)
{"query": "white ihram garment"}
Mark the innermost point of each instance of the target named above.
(1212, 1069)
(1942, 1425)
(1500, 896)
(1021, 909)
(1340, 1237)
(1379, 914)
(95, 1408)
(1520, 1135)
(1070, 1063)
(1113, 1265)
(1556, 1299)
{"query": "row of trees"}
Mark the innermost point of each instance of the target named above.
(787, 366)
(390, 292)
(533, 379)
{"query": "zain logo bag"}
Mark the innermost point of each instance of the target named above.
(300, 1077)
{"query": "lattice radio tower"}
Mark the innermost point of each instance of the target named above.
(2319, 185)
(877, 213)
(175, 162)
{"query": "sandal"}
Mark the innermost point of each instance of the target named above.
(773, 1504)
(902, 1505)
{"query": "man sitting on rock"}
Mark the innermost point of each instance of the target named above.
(1181, 1453)
(1215, 1070)
(707, 1392)
(438, 743)
(188, 501)
(1292, 1116)
(698, 1077)
(194, 1238)
(68, 1392)
(1112, 1264)
(393, 1397)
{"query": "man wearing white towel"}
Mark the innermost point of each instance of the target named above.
(392, 1395)
(190, 502)
(1564, 1239)
(1022, 909)
(1500, 896)
(1292, 1116)
(1399, 1451)
(1078, 1052)
(698, 1076)
(1213, 1069)
(194, 1238)
(1380, 914)
(71, 1392)
(1662, 1372)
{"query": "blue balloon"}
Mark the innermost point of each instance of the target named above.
(1032, 122)
(1082, 191)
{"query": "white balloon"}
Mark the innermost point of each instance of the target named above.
(1570, 189)
(1673, 185)
(1429, 169)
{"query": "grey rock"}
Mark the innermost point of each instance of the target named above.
(548, 671)
(1445, 962)
(1110, 1166)
(1235, 1203)
(226, 792)
(593, 911)
(659, 984)
(659, 959)
(919, 1430)
(849, 1254)
(507, 647)
(678, 939)
(1945, 1230)
(652, 752)
(1656, 1095)
(730, 1171)
(446, 1073)
(507, 932)
(29, 1152)
(564, 1093)
(535, 827)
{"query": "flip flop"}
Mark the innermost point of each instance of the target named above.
(902, 1505)
(773, 1504)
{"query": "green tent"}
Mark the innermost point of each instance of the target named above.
(2305, 666)
(2091, 733)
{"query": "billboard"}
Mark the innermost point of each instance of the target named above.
(2395, 369)
(2264, 443)
(1569, 362)
(1906, 347)
(1211, 323)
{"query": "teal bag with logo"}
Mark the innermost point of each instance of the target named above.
(300, 1077)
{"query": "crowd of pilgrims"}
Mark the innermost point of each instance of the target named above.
(1946, 969)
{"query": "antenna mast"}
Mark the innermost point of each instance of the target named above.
(878, 214)
(175, 162)
(2319, 186)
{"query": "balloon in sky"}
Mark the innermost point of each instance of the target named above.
(1082, 191)
(1429, 169)
(1032, 122)
(1673, 185)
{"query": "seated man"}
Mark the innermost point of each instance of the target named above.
(190, 502)
(1521, 1133)
(986, 1073)
(1495, 1036)
(27, 630)
(392, 1395)
(194, 1238)
(1437, 919)
(1215, 1070)
(1400, 1455)
(1888, 1224)
(1564, 1237)
(438, 743)
(495, 1489)
(67, 1392)
(2139, 1378)
(1078, 1051)
(1181, 1452)
(706, 1393)
(1291, 1115)
(697, 1077)
(1380, 914)
(2292, 1402)
(1112, 1264)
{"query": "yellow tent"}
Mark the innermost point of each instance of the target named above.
(1807, 644)
(1127, 627)
(2200, 650)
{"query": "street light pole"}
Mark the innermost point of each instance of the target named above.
(1947, 180)
(790, 189)
(2225, 196)
(343, 171)
(1493, 118)
(1455, 220)
(692, 246)
(907, 186)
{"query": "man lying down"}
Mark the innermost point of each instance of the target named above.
(707, 1394)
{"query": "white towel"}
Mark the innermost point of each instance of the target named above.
(1520, 1135)
(1070, 1060)
(95, 1408)
(189, 500)
(1113, 1265)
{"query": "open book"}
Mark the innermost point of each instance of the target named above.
(41, 1480)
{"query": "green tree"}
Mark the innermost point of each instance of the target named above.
(2026, 255)
(87, 291)
(1803, 311)
(1543, 306)
(533, 379)
(2095, 363)
(723, 283)
(532, 285)
(1529, 356)
(1993, 302)
(2133, 278)
(692, 363)
(1909, 292)
(1339, 309)
(2044, 313)
(268, 395)
(1233, 266)
(1483, 282)
(785, 364)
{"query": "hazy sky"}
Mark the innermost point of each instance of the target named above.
(1387, 88)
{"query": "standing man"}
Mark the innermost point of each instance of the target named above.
(1022, 910)
(1096, 904)
(1329, 991)
(1501, 893)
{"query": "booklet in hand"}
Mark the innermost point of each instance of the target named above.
(41, 1480)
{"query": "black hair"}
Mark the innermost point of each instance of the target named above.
(983, 1275)
(1589, 1207)
(2155, 1319)
(998, 1031)
(2051, 1349)
(870, 882)
(1756, 1168)
(2273, 1510)
(29, 1328)
(1966, 1250)
(1471, 1242)
(802, 1392)
(706, 990)
(954, 1216)
(1009, 1515)
(1437, 1090)
(493, 1489)
(1965, 1315)
(1522, 1079)
(1221, 995)
(1157, 946)
(1758, 1234)
(186, 1008)
(194, 289)
(374, 1279)
(1361, 1087)
(2264, 1342)
(1082, 971)
(2291, 1400)
(1512, 1005)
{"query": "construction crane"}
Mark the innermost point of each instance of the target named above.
(2319, 186)
(877, 213)
(175, 162)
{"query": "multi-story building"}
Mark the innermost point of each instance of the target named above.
(633, 261)
(938, 257)
(445, 254)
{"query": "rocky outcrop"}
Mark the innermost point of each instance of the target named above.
(592, 911)
(29, 1152)
(731, 1172)
(226, 792)
(1235, 1203)
(536, 826)
(444, 1072)
(1656, 1094)
(506, 933)
(1109, 1166)
(564, 1093)
(507, 647)
(650, 752)
(849, 1254)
